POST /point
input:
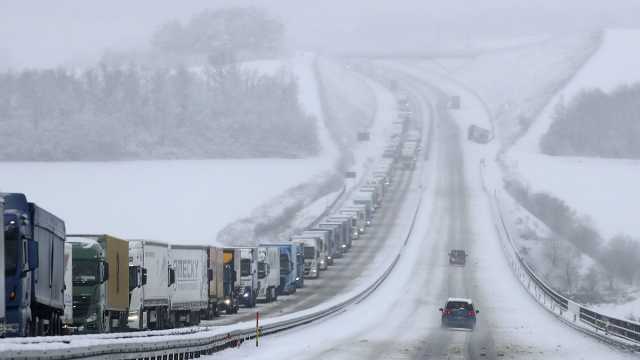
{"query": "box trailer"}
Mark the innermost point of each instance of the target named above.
(34, 268)
(311, 252)
(189, 296)
(100, 282)
(328, 236)
(215, 275)
(149, 304)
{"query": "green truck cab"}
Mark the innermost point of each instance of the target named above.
(100, 279)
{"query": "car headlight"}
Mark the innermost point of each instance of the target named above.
(227, 301)
(344, 246)
(246, 295)
(328, 257)
(322, 262)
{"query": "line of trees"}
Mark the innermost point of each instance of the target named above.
(616, 259)
(113, 113)
(597, 124)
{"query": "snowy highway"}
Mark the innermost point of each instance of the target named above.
(400, 320)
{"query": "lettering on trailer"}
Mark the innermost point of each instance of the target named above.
(186, 269)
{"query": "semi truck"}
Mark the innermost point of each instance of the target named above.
(366, 199)
(149, 303)
(34, 268)
(326, 251)
(288, 270)
(352, 224)
(2, 294)
(311, 254)
(189, 296)
(336, 236)
(359, 216)
(346, 235)
(361, 208)
(231, 274)
(100, 281)
(215, 275)
(268, 273)
(247, 287)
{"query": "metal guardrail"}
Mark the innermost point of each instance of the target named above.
(622, 333)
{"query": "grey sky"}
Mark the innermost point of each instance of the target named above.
(47, 33)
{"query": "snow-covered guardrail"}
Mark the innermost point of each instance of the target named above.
(622, 333)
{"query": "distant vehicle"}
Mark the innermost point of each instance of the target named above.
(459, 313)
(33, 249)
(457, 257)
(478, 134)
(325, 246)
(311, 249)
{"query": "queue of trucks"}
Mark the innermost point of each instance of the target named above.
(56, 283)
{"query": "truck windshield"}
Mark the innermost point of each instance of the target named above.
(85, 272)
(245, 267)
(11, 248)
(309, 252)
(262, 272)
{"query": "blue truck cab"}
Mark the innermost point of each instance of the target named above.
(288, 268)
(34, 268)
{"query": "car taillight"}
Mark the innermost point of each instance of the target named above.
(471, 313)
(447, 312)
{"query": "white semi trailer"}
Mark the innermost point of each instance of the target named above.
(149, 307)
(190, 293)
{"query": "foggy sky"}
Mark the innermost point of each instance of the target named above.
(50, 33)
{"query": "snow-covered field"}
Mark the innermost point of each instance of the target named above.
(175, 201)
(613, 65)
(604, 190)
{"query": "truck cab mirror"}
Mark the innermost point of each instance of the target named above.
(210, 274)
(172, 276)
(105, 271)
(32, 251)
(144, 277)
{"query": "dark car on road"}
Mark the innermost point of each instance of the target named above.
(459, 313)
(457, 257)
